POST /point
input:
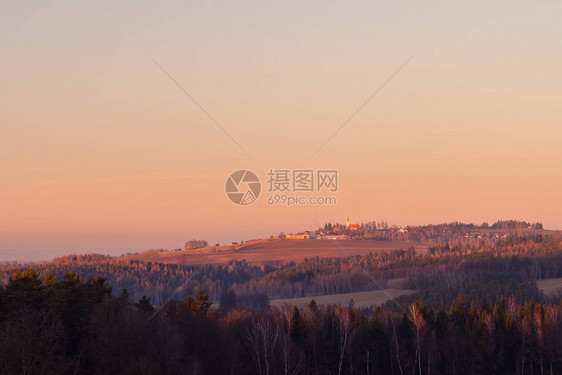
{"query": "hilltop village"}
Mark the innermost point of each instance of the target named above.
(459, 232)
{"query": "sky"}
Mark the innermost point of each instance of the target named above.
(103, 148)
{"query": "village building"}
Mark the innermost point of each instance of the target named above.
(348, 225)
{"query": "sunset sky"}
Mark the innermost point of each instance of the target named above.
(100, 151)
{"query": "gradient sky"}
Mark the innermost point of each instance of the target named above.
(100, 151)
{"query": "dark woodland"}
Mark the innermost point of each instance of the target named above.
(476, 310)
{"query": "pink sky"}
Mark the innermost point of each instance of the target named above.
(100, 151)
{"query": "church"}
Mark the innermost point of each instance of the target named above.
(351, 226)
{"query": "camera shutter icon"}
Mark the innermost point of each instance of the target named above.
(243, 187)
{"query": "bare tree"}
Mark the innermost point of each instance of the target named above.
(389, 321)
(420, 325)
(346, 330)
(262, 335)
(292, 359)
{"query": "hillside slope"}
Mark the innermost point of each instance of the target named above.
(272, 251)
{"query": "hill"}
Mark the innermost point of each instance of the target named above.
(274, 251)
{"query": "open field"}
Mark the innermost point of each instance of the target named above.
(360, 299)
(551, 287)
(265, 251)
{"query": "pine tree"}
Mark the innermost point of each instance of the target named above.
(144, 307)
(202, 303)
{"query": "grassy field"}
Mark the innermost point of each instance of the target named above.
(551, 287)
(361, 299)
(264, 251)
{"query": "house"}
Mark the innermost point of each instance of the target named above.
(334, 237)
(299, 236)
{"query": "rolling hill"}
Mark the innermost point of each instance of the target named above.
(273, 251)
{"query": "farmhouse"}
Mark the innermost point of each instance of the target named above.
(300, 236)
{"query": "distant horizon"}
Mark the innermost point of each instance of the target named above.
(57, 252)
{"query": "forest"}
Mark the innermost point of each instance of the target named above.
(505, 263)
(75, 326)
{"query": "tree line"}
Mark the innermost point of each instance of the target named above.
(512, 260)
(76, 326)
